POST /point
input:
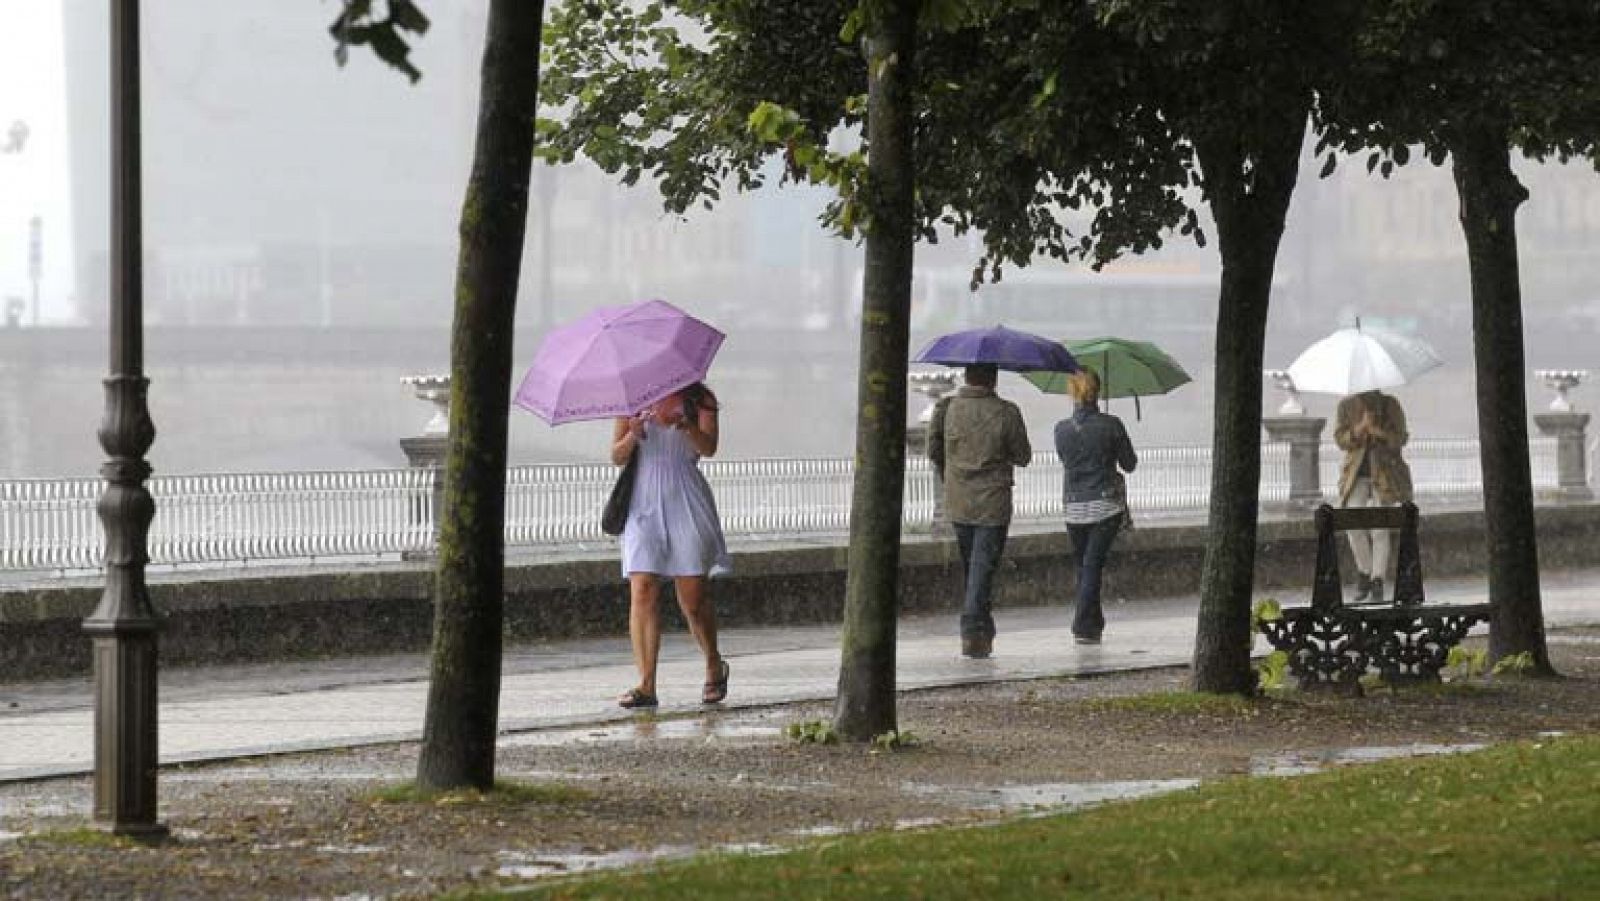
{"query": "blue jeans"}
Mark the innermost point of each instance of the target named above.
(981, 547)
(1092, 544)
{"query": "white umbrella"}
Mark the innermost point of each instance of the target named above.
(1353, 360)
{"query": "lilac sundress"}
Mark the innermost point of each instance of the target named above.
(673, 528)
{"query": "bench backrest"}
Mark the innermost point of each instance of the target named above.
(1327, 591)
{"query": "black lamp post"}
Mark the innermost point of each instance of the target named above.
(124, 626)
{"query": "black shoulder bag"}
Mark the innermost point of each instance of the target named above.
(615, 516)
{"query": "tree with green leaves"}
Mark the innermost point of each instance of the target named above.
(1237, 80)
(1136, 101)
(462, 720)
(1473, 81)
(865, 704)
(1120, 106)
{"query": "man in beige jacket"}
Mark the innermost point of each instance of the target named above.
(974, 442)
(1371, 429)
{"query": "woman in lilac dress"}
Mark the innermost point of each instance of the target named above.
(672, 532)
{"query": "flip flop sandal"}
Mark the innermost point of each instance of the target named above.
(716, 689)
(634, 697)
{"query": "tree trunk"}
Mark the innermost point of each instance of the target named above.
(865, 706)
(1490, 194)
(1249, 189)
(464, 693)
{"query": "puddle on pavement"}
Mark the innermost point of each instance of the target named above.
(1300, 763)
(278, 774)
(1572, 639)
(706, 729)
(1034, 798)
(754, 849)
(27, 808)
(823, 831)
(351, 849)
(518, 865)
(301, 844)
(1052, 795)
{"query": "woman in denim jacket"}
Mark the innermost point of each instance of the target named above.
(1092, 446)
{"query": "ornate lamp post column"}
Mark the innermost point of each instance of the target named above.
(124, 626)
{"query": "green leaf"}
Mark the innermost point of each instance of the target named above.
(1045, 92)
(1265, 610)
(853, 23)
(1274, 667)
(1513, 664)
(407, 16)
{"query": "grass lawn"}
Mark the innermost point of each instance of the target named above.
(1517, 821)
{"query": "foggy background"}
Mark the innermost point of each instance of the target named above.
(301, 238)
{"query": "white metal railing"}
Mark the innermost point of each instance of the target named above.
(1447, 470)
(50, 526)
(225, 518)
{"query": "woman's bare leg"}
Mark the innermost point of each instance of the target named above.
(644, 626)
(702, 618)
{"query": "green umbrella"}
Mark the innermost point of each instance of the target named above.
(1126, 368)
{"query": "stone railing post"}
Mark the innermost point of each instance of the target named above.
(934, 385)
(1303, 434)
(1570, 430)
(427, 450)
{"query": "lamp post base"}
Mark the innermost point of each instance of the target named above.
(125, 744)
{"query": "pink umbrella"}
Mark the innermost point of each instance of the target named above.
(616, 361)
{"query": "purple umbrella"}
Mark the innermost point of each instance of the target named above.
(616, 361)
(1000, 347)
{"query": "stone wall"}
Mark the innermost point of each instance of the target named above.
(377, 610)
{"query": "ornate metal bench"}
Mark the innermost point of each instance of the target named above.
(1331, 645)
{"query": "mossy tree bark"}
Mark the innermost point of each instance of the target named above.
(1249, 188)
(464, 692)
(865, 705)
(1489, 195)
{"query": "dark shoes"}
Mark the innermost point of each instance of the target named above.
(716, 689)
(635, 698)
(977, 647)
(1368, 590)
(1086, 639)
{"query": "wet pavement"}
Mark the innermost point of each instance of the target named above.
(226, 712)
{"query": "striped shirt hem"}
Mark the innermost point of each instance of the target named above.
(1083, 513)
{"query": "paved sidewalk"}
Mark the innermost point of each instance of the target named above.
(223, 712)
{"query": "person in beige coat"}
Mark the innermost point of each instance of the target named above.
(1371, 429)
(975, 441)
